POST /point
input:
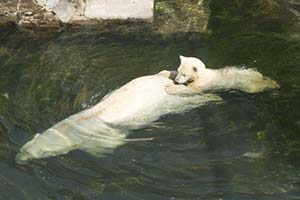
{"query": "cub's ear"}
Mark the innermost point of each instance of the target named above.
(181, 57)
(195, 69)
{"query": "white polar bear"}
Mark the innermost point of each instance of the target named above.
(102, 128)
(193, 77)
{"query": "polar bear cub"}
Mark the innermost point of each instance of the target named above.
(193, 77)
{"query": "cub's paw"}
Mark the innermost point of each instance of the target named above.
(171, 89)
(165, 73)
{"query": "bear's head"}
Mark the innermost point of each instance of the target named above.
(189, 70)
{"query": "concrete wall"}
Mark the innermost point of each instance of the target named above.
(51, 12)
(68, 11)
(171, 16)
(119, 9)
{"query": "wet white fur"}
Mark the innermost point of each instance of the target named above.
(102, 128)
(200, 79)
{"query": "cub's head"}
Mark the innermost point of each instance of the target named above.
(189, 70)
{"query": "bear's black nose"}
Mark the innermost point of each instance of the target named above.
(175, 83)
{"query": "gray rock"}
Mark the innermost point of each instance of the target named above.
(64, 10)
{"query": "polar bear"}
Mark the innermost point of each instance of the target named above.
(192, 77)
(105, 126)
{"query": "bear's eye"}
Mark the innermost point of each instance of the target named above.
(183, 75)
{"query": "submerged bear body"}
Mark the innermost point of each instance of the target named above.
(100, 129)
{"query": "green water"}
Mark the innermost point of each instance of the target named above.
(247, 147)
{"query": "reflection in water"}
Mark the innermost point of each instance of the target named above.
(203, 153)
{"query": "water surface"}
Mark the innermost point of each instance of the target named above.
(246, 147)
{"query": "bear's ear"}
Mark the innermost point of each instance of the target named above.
(181, 57)
(195, 69)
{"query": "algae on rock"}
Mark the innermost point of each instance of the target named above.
(182, 16)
